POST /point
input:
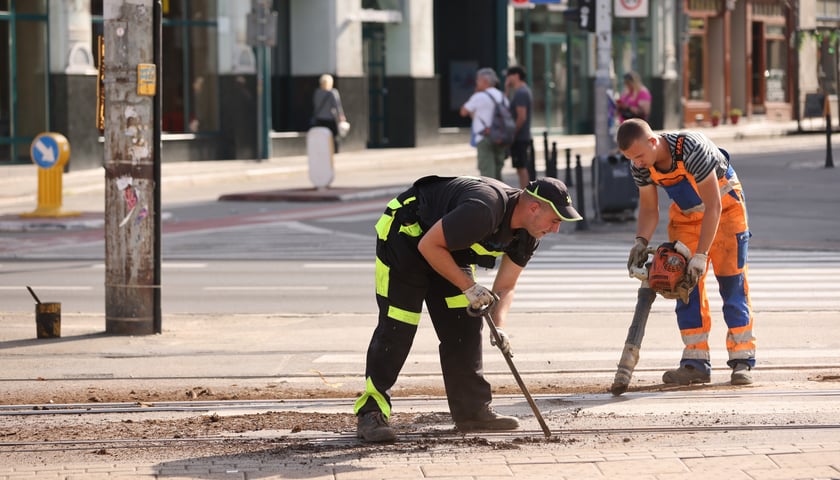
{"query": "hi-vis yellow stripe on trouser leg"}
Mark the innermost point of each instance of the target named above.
(383, 225)
(383, 273)
(383, 282)
(460, 301)
(404, 316)
(372, 392)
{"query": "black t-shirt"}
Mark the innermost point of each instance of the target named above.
(473, 210)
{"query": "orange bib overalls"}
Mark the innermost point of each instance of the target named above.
(728, 256)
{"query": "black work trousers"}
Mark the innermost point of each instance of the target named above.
(411, 281)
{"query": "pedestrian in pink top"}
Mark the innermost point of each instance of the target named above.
(635, 99)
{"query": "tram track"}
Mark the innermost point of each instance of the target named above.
(341, 404)
(325, 426)
(448, 436)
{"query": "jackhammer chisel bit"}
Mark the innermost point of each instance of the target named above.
(633, 343)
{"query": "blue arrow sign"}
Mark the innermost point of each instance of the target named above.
(44, 151)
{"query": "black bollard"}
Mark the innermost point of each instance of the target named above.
(569, 181)
(829, 156)
(546, 151)
(580, 225)
(532, 162)
(551, 164)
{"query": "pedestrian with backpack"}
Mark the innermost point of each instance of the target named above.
(493, 127)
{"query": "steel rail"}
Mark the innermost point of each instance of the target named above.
(319, 376)
(292, 405)
(442, 436)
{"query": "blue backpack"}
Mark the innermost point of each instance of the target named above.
(502, 128)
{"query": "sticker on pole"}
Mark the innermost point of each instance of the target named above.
(49, 150)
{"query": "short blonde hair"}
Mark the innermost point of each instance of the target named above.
(631, 130)
(326, 81)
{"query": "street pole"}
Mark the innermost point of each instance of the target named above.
(157, 33)
(603, 34)
(262, 34)
(261, 140)
(130, 84)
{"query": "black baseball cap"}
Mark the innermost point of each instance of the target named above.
(555, 193)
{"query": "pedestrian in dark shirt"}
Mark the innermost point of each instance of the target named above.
(521, 102)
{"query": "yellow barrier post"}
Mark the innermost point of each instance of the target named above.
(50, 151)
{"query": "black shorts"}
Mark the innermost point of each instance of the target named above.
(520, 153)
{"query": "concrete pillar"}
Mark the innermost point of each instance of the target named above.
(70, 31)
(73, 81)
(314, 34)
(411, 46)
(237, 78)
(410, 70)
(129, 171)
(235, 55)
(666, 86)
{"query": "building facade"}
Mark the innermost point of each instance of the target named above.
(404, 67)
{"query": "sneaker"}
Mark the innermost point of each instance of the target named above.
(685, 375)
(373, 427)
(741, 375)
(487, 419)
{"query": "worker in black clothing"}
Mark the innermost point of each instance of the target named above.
(429, 241)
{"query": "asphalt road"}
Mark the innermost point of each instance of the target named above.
(253, 257)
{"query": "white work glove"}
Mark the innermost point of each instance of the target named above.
(505, 341)
(696, 268)
(479, 297)
(638, 255)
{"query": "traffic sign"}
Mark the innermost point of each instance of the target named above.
(50, 149)
(631, 8)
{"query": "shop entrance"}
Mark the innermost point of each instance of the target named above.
(549, 80)
(24, 79)
(556, 65)
(373, 36)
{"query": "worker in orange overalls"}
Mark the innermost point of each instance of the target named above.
(708, 214)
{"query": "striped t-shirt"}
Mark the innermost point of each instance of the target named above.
(700, 156)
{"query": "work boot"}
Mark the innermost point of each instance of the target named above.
(685, 375)
(373, 427)
(741, 375)
(487, 419)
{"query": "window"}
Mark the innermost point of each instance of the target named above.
(24, 77)
(828, 8)
(696, 68)
(775, 75)
(190, 70)
(189, 73)
(828, 65)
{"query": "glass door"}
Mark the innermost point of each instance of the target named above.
(549, 82)
(24, 77)
(558, 73)
(373, 36)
